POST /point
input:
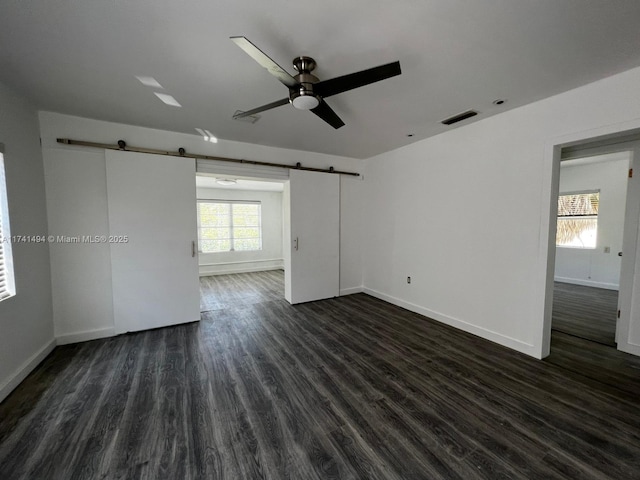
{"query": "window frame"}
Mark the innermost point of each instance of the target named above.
(7, 275)
(586, 216)
(231, 203)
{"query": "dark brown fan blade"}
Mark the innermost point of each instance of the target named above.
(326, 88)
(326, 113)
(268, 106)
(260, 57)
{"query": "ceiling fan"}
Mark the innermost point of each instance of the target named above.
(306, 91)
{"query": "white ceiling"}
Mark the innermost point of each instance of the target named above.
(81, 57)
(207, 181)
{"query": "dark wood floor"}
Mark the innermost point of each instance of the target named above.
(585, 312)
(583, 338)
(219, 292)
(600, 366)
(347, 388)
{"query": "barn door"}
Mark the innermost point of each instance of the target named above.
(152, 222)
(312, 236)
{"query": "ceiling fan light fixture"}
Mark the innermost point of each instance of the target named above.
(305, 102)
(226, 181)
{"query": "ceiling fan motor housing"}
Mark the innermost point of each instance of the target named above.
(304, 97)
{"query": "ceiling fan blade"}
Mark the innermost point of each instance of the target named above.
(326, 113)
(268, 106)
(264, 61)
(333, 86)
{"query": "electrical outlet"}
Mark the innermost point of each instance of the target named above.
(607, 249)
(408, 279)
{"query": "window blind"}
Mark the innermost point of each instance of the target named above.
(228, 226)
(578, 219)
(584, 204)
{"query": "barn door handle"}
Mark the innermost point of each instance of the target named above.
(295, 243)
(193, 248)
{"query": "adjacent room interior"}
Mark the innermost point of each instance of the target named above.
(394, 241)
(591, 214)
(591, 224)
(240, 233)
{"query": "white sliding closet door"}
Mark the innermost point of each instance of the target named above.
(152, 201)
(312, 236)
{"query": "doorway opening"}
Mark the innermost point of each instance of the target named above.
(591, 275)
(240, 240)
(590, 225)
(305, 229)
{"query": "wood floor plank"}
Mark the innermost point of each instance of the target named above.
(350, 398)
(408, 396)
(324, 400)
(102, 435)
(55, 428)
(518, 406)
(434, 435)
(297, 419)
(585, 312)
(554, 382)
(240, 444)
(346, 388)
(599, 364)
(135, 438)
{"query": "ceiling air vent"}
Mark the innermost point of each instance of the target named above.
(460, 117)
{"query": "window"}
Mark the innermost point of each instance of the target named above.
(7, 283)
(578, 219)
(229, 226)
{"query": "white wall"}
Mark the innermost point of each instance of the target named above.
(351, 233)
(76, 180)
(595, 267)
(270, 257)
(466, 213)
(26, 326)
(80, 272)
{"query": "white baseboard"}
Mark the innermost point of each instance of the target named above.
(588, 283)
(207, 270)
(351, 291)
(85, 336)
(630, 348)
(25, 369)
(496, 337)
